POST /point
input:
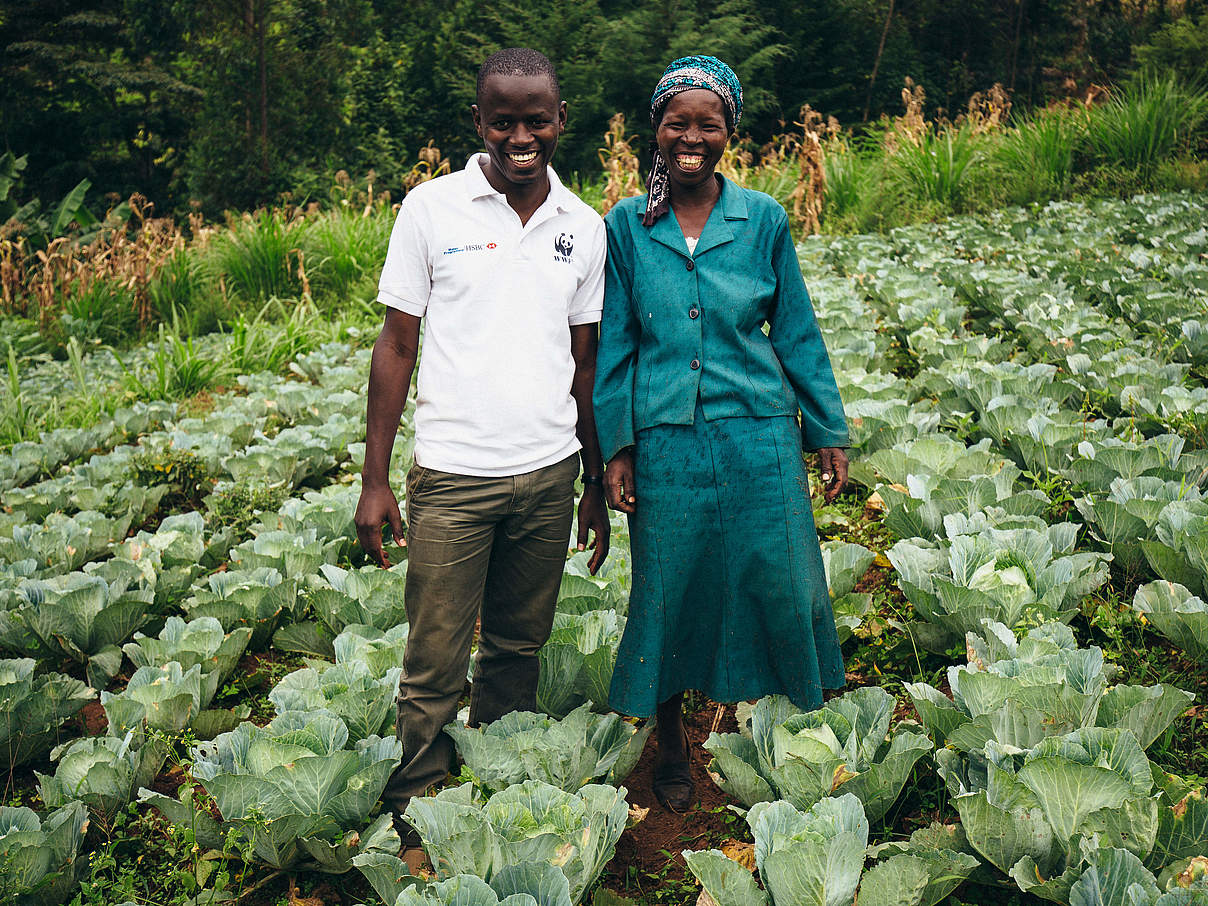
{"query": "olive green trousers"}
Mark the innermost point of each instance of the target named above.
(489, 548)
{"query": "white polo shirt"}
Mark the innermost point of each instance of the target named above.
(498, 300)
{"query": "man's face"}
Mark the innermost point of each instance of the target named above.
(519, 119)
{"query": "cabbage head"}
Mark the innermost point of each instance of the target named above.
(566, 753)
(1177, 614)
(529, 822)
(369, 596)
(165, 698)
(523, 884)
(1034, 813)
(366, 703)
(40, 858)
(1014, 576)
(103, 772)
(201, 642)
(291, 790)
(256, 598)
(32, 709)
(87, 617)
(1180, 552)
(817, 857)
(577, 660)
(843, 747)
(1019, 691)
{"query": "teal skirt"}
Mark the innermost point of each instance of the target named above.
(729, 593)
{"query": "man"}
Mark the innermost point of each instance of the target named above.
(506, 265)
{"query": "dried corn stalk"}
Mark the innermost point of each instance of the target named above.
(620, 164)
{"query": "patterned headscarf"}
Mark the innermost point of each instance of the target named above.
(685, 74)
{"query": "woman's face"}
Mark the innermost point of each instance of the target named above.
(692, 136)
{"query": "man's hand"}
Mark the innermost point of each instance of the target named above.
(619, 482)
(833, 462)
(593, 517)
(377, 507)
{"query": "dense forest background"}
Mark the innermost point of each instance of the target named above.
(230, 103)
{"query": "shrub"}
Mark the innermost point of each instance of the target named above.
(937, 166)
(254, 260)
(1148, 120)
(1038, 154)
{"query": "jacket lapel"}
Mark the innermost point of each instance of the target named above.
(666, 231)
(731, 205)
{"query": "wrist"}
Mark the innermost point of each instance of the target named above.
(593, 481)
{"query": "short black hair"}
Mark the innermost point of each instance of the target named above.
(517, 61)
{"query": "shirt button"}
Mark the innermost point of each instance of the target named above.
(693, 313)
(695, 364)
(689, 264)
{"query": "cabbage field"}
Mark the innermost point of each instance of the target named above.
(199, 674)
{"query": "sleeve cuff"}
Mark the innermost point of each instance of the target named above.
(403, 305)
(585, 317)
(818, 440)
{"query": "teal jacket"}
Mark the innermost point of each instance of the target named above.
(678, 326)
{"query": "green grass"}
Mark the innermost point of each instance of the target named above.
(1147, 121)
(1038, 154)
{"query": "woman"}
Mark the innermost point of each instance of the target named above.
(696, 408)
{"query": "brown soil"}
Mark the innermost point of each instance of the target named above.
(169, 781)
(641, 864)
(878, 578)
(93, 721)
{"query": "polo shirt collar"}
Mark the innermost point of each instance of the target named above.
(478, 186)
(731, 205)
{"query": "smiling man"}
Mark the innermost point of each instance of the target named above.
(505, 267)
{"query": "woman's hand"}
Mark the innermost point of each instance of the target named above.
(619, 482)
(833, 462)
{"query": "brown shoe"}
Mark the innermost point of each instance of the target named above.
(673, 786)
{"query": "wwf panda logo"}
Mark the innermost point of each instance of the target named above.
(564, 244)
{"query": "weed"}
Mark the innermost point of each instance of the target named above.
(937, 168)
(180, 470)
(1148, 120)
(1038, 154)
(252, 260)
(239, 506)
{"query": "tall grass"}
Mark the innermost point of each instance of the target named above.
(1145, 122)
(256, 259)
(343, 250)
(938, 165)
(1038, 154)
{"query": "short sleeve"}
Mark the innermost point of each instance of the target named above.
(588, 303)
(406, 281)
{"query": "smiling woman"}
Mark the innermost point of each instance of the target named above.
(697, 411)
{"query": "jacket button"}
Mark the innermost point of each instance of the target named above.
(695, 364)
(693, 313)
(689, 264)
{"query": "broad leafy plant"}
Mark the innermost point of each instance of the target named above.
(41, 859)
(843, 747)
(1017, 692)
(103, 772)
(199, 643)
(817, 857)
(292, 791)
(33, 707)
(568, 753)
(1015, 576)
(529, 822)
(577, 660)
(1177, 614)
(255, 598)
